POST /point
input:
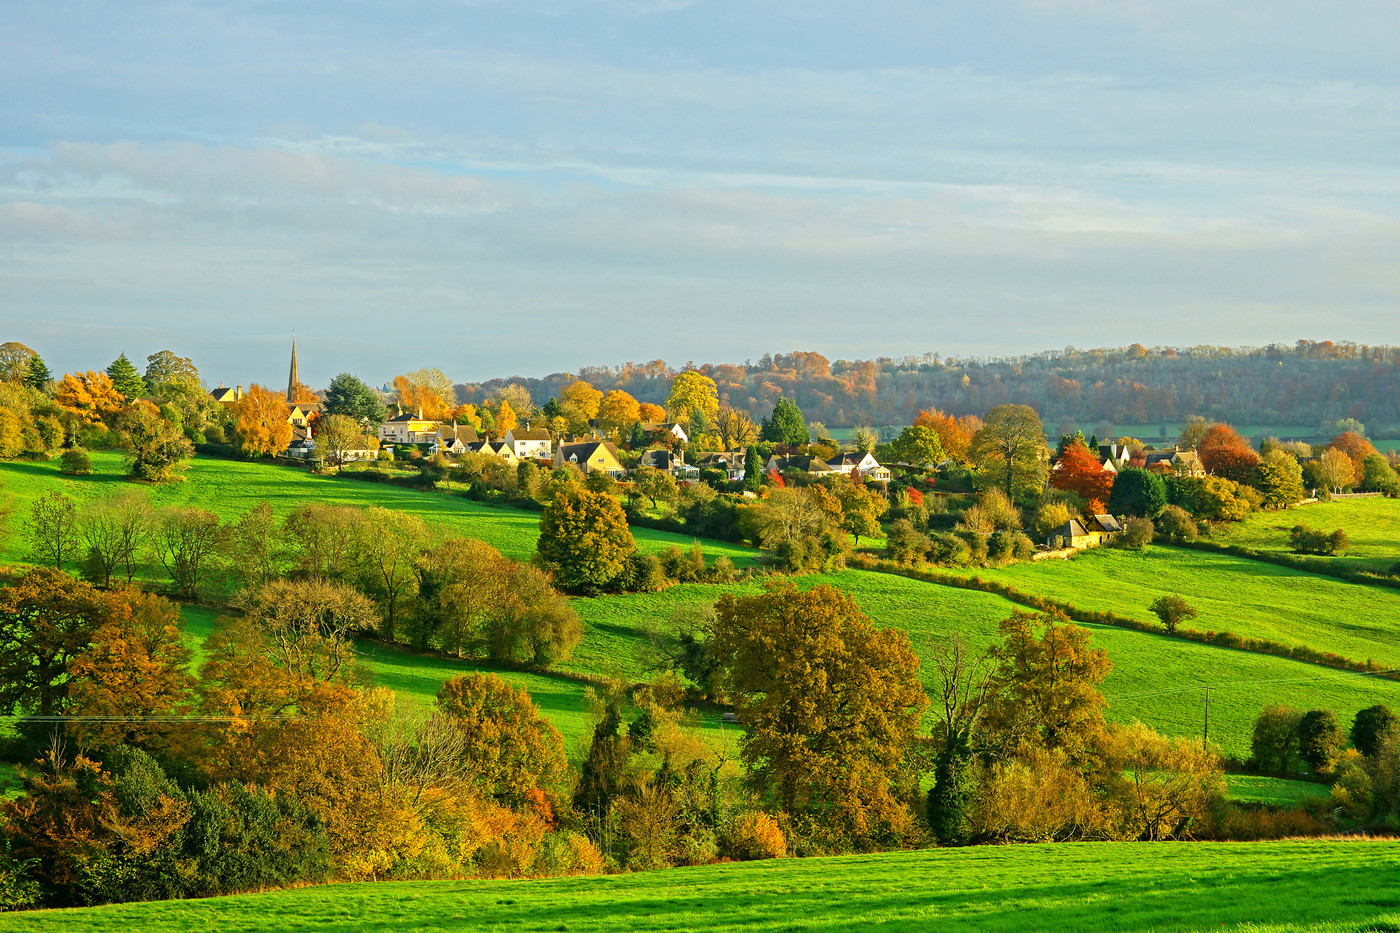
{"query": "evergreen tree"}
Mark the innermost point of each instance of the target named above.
(1137, 492)
(753, 469)
(125, 378)
(347, 395)
(786, 425)
(638, 438)
(552, 409)
(37, 375)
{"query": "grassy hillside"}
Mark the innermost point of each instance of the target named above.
(1157, 680)
(1373, 525)
(1243, 596)
(230, 488)
(1317, 886)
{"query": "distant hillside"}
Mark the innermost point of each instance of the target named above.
(1302, 386)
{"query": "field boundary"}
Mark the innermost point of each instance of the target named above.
(1322, 568)
(1071, 611)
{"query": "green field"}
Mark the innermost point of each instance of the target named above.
(1320, 886)
(1157, 680)
(1373, 525)
(1278, 792)
(229, 488)
(1247, 597)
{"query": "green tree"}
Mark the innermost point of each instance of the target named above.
(831, 705)
(861, 509)
(53, 529)
(1009, 450)
(1280, 479)
(512, 749)
(965, 686)
(1274, 743)
(1137, 492)
(918, 445)
(1172, 609)
(125, 379)
(655, 485)
(1320, 740)
(584, 540)
(786, 425)
(336, 435)
(155, 449)
(348, 396)
(1370, 727)
(186, 540)
(753, 469)
(37, 375)
(165, 368)
(46, 621)
(1377, 475)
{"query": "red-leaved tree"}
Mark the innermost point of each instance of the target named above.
(1225, 453)
(1079, 470)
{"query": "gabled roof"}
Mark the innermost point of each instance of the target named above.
(460, 432)
(584, 451)
(1107, 522)
(1070, 529)
(224, 394)
(529, 434)
(660, 459)
(406, 417)
(847, 460)
(802, 462)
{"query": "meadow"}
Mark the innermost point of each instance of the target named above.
(1318, 886)
(1372, 525)
(1247, 597)
(1157, 680)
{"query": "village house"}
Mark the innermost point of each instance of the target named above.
(589, 456)
(814, 466)
(864, 463)
(453, 438)
(484, 446)
(668, 462)
(530, 443)
(227, 396)
(731, 462)
(1180, 462)
(408, 428)
(668, 427)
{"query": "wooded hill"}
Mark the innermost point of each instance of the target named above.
(1303, 385)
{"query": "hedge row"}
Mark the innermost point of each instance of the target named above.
(1071, 611)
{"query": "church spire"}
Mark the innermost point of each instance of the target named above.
(294, 378)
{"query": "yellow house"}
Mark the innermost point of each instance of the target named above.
(590, 456)
(408, 429)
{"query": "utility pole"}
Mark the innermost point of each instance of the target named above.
(1205, 734)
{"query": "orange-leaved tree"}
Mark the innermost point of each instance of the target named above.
(260, 421)
(1357, 449)
(1079, 470)
(955, 434)
(90, 395)
(831, 705)
(1225, 453)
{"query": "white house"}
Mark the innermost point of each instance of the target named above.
(862, 461)
(530, 443)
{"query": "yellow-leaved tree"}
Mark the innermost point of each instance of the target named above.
(260, 421)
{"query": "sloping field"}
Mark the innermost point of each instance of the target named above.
(1247, 597)
(1263, 887)
(1372, 525)
(229, 488)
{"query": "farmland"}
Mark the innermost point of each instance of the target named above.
(1157, 680)
(1320, 886)
(1372, 525)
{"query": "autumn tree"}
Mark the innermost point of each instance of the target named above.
(1078, 470)
(864, 438)
(90, 395)
(52, 529)
(156, 451)
(506, 420)
(1357, 449)
(954, 434)
(134, 674)
(511, 748)
(251, 547)
(692, 392)
(186, 540)
(260, 422)
(1225, 453)
(831, 705)
(734, 428)
(14, 361)
(654, 484)
(1045, 688)
(426, 391)
(584, 540)
(1193, 433)
(651, 414)
(803, 527)
(460, 581)
(580, 403)
(1335, 470)
(785, 425)
(1009, 450)
(388, 542)
(861, 509)
(47, 620)
(618, 412)
(518, 397)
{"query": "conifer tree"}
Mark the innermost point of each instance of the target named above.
(37, 375)
(126, 379)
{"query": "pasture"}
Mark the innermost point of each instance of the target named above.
(1373, 525)
(1319, 886)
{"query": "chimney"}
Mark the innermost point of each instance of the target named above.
(238, 394)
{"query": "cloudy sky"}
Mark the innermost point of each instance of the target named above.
(528, 186)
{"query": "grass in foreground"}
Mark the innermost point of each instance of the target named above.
(1326, 886)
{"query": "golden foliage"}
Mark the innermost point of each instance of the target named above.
(90, 395)
(260, 421)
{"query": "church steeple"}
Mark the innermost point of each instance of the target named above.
(294, 378)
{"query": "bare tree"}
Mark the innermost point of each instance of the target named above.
(114, 529)
(185, 540)
(965, 685)
(53, 529)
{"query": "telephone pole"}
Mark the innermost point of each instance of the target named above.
(1205, 733)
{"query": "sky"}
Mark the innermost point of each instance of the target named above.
(499, 187)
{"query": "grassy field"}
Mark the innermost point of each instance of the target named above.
(1279, 792)
(230, 488)
(1373, 525)
(1320, 886)
(1247, 597)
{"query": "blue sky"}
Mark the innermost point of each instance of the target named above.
(526, 187)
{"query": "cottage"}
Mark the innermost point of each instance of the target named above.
(864, 463)
(730, 462)
(484, 446)
(1180, 462)
(668, 427)
(668, 462)
(589, 456)
(302, 412)
(1106, 525)
(1073, 534)
(814, 466)
(453, 438)
(408, 428)
(530, 443)
(227, 396)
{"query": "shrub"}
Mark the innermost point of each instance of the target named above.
(75, 462)
(905, 543)
(1175, 525)
(756, 835)
(1172, 609)
(1307, 540)
(1136, 534)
